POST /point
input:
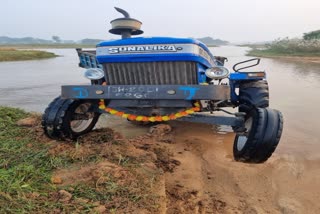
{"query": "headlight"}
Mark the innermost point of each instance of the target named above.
(94, 73)
(218, 72)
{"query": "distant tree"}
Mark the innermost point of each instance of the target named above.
(312, 35)
(56, 39)
(210, 41)
(90, 41)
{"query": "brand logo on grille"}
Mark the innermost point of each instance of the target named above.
(144, 49)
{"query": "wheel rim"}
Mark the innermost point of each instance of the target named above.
(242, 139)
(80, 125)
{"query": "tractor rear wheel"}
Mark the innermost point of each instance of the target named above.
(253, 94)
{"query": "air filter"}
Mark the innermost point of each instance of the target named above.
(125, 26)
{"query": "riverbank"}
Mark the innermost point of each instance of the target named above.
(100, 173)
(47, 46)
(290, 49)
(11, 54)
(173, 168)
(302, 57)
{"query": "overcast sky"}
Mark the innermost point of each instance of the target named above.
(232, 20)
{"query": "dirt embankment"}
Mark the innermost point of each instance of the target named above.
(182, 168)
(305, 59)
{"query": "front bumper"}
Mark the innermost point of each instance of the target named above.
(147, 92)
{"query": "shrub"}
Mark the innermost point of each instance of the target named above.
(312, 35)
(294, 46)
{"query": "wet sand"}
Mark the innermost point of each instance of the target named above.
(208, 180)
(284, 184)
(208, 177)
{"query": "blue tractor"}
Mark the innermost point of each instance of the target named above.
(157, 79)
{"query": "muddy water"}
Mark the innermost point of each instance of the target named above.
(31, 85)
(294, 90)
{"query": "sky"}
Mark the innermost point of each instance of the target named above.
(233, 20)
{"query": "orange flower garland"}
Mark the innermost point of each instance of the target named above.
(133, 117)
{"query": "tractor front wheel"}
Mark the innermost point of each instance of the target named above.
(67, 118)
(263, 129)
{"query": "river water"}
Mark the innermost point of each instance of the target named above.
(294, 90)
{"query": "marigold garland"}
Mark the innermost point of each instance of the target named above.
(133, 117)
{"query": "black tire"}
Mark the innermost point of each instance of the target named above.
(253, 94)
(262, 137)
(59, 115)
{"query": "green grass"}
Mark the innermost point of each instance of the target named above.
(10, 54)
(27, 166)
(24, 165)
(46, 46)
(288, 47)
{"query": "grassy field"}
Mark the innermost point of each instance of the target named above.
(46, 46)
(288, 48)
(11, 54)
(94, 175)
(24, 166)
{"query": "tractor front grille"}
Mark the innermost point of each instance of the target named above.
(151, 73)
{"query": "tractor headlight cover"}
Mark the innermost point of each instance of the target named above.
(94, 73)
(217, 72)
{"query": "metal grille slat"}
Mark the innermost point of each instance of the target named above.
(151, 73)
(154, 76)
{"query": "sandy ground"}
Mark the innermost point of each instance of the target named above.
(209, 181)
(190, 169)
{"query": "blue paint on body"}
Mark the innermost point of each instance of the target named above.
(238, 76)
(81, 92)
(202, 78)
(151, 57)
(191, 91)
(152, 41)
(154, 58)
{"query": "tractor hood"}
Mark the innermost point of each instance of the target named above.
(154, 49)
